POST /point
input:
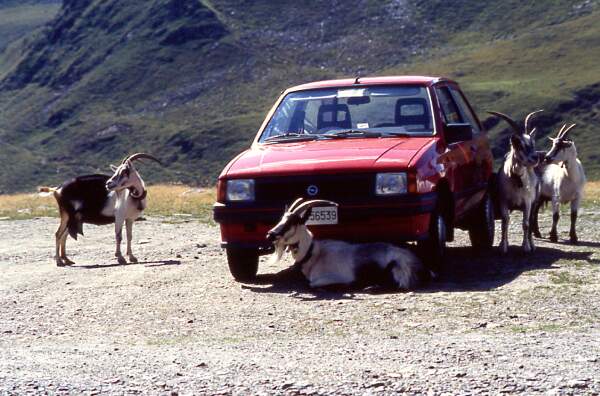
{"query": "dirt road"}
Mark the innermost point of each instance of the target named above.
(176, 323)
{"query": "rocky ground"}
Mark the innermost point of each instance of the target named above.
(176, 323)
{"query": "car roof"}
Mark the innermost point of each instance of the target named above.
(354, 82)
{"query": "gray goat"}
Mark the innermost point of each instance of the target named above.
(100, 199)
(562, 181)
(518, 184)
(330, 262)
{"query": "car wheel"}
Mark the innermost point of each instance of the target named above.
(243, 263)
(433, 249)
(481, 232)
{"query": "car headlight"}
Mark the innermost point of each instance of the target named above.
(240, 190)
(391, 183)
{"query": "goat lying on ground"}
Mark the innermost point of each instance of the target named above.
(562, 181)
(329, 262)
(518, 184)
(100, 199)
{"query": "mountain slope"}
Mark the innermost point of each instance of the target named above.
(191, 80)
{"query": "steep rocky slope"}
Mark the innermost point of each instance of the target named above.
(191, 80)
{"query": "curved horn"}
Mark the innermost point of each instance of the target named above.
(295, 204)
(561, 131)
(510, 121)
(138, 156)
(564, 131)
(310, 204)
(528, 118)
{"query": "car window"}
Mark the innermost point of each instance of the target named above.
(466, 112)
(451, 113)
(385, 109)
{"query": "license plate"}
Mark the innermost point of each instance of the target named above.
(323, 215)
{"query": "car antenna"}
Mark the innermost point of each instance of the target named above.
(356, 79)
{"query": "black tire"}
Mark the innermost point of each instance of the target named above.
(483, 226)
(243, 263)
(433, 249)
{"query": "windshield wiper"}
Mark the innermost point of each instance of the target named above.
(352, 133)
(290, 136)
(398, 134)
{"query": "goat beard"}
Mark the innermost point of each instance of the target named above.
(279, 246)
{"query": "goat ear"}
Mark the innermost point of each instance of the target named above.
(305, 216)
(113, 167)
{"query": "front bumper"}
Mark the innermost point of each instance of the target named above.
(381, 219)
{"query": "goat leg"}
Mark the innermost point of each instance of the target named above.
(528, 245)
(60, 232)
(573, 231)
(527, 240)
(535, 227)
(555, 218)
(505, 222)
(63, 249)
(129, 228)
(119, 238)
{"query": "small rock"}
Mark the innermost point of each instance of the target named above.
(579, 384)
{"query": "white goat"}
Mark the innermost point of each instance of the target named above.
(330, 262)
(100, 199)
(518, 184)
(563, 179)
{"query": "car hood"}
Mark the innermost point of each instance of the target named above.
(326, 156)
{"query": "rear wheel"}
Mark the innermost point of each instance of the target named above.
(243, 263)
(433, 249)
(481, 231)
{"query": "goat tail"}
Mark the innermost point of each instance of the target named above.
(408, 271)
(46, 191)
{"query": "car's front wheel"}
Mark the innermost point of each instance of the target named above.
(481, 231)
(433, 249)
(243, 263)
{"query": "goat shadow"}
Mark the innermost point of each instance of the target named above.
(158, 263)
(464, 270)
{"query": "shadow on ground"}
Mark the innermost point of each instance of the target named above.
(159, 263)
(464, 270)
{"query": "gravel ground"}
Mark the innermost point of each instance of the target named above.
(176, 323)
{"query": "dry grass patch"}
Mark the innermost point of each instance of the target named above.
(163, 200)
(592, 193)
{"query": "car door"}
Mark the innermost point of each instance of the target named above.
(461, 139)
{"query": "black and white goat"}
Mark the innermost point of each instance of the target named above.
(518, 184)
(330, 262)
(100, 199)
(562, 181)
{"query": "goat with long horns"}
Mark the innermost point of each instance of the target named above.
(518, 184)
(331, 262)
(562, 181)
(100, 199)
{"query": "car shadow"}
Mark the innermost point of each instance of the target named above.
(464, 270)
(158, 263)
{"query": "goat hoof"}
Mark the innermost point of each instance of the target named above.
(537, 234)
(60, 263)
(574, 241)
(132, 259)
(67, 261)
(121, 260)
(553, 238)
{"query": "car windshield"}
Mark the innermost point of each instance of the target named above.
(371, 111)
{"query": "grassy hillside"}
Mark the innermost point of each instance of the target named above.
(191, 80)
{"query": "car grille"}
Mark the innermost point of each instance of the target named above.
(339, 188)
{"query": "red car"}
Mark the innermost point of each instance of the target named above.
(406, 159)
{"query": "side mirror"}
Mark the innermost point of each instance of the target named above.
(458, 132)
